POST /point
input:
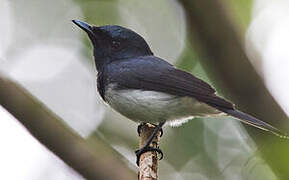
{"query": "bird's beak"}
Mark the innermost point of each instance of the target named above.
(84, 26)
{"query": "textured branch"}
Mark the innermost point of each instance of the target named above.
(48, 129)
(148, 168)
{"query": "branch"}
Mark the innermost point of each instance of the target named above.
(148, 168)
(48, 129)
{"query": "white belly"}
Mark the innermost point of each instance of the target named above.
(153, 107)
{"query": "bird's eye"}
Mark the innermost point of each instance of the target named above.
(115, 44)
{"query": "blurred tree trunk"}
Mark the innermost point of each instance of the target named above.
(47, 128)
(228, 66)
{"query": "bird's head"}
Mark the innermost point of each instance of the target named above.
(113, 43)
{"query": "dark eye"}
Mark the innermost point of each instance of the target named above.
(115, 44)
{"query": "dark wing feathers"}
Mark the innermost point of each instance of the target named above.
(152, 73)
(181, 83)
(158, 75)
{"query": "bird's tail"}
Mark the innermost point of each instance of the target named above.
(248, 119)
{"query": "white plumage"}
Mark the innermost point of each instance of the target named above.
(153, 107)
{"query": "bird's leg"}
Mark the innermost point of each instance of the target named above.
(142, 124)
(160, 130)
(147, 146)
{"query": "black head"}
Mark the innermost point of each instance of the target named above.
(114, 43)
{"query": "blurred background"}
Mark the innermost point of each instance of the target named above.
(46, 53)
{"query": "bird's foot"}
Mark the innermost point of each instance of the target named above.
(145, 149)
(139, 127)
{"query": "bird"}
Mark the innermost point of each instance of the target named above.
(147, 89)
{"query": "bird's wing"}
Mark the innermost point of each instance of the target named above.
(156, 75)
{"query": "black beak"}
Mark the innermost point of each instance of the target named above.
(84, 26)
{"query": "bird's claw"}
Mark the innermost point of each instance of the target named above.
(139, 152)
(139, 128)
